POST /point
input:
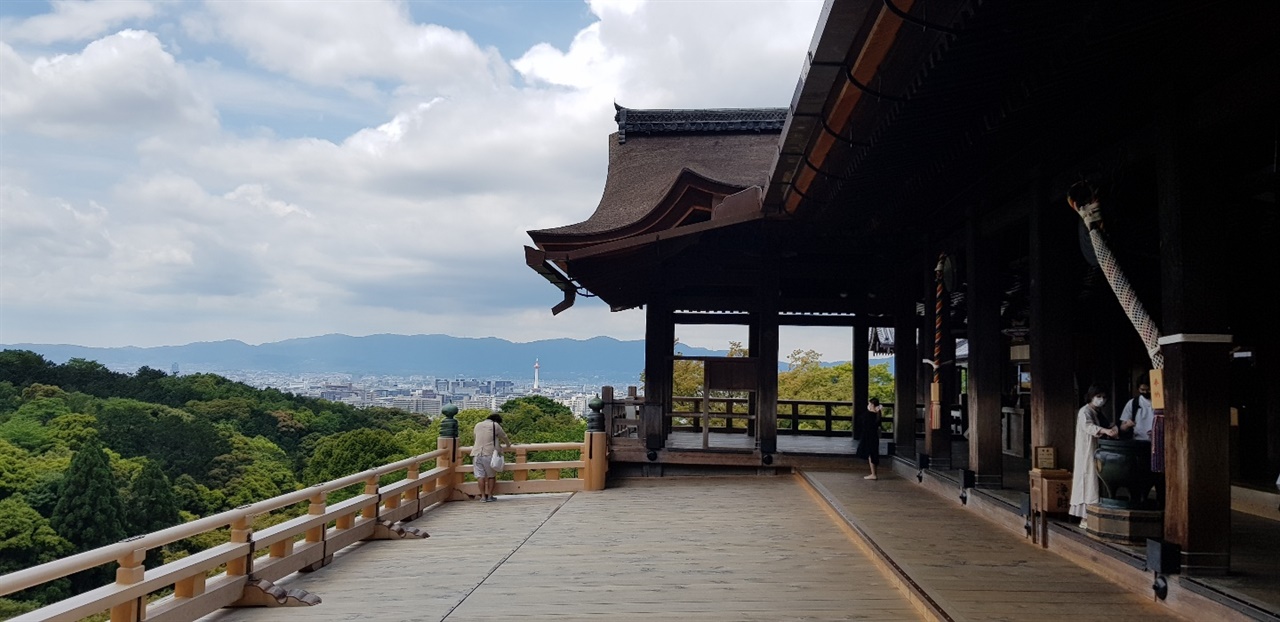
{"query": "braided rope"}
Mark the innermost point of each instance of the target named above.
(938, 277)
(1091, 213)
(1128, 299)
(937, 320)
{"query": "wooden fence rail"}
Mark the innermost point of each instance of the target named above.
(733, 415)
(240, 572)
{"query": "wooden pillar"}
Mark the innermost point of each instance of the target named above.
(986, 357)
(596, 456)
(1269, 367)
(1054, 253)
(659, 345)
(862, 366)
(767, 380)
(1196, 350)
(906, 366)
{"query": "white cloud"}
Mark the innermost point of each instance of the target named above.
(412, 221)
(120, 84)
(75, 20)
(339, 42)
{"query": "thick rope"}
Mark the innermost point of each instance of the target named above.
(936, 423)
(1092, 215)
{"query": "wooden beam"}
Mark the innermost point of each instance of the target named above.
(861, 369)
(1196, 373)
(659, 341)
(986, 356)
(1054, 249)
(906, 364)
(766, 324)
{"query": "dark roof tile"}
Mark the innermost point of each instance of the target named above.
(712, 120)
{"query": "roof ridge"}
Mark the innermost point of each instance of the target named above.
(698, 120)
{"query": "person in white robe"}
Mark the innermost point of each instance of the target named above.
(1091, 424)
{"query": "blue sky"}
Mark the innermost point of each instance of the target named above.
(173, 172)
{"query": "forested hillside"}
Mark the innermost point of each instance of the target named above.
(89, 456)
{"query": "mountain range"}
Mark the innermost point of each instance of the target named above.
(397, 355)
(598, 358)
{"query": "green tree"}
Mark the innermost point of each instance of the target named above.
(27, 431)
(196, 498)
(73, 430)
(150, 505)
(23, 367)
(15, 474)
(27, 540)
(127, 426)
(254, 469)
(89, 512)
(351, 452)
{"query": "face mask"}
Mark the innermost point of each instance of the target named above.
(1099, 401)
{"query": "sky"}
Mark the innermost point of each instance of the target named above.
(174, 172)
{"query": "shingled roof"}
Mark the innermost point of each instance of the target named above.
(733, 147)
(713, 120)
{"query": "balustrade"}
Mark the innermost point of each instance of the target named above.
(239, 572)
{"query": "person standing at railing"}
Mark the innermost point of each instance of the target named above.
(866, 428)
(488, 434)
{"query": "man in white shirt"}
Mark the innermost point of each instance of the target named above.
(1138, 413)
(489, 439)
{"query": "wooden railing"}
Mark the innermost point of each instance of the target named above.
(732, 415)
(834, 418)
(240, 572)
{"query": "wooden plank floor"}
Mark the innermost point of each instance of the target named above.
(756, 548)
(974, 570)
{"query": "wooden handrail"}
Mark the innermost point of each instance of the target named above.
(59, 568)
(356, 518)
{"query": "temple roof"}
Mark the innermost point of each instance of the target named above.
(652, 149)
(719, 120)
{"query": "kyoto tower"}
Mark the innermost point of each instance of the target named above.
(536, 366)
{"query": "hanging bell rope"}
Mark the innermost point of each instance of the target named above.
(1083, 199)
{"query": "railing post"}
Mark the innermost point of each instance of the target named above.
(448, 441)
(131, 571)
(371, 488)
(594, 447)
(826, 408)
(411, 495)
(522, 457)
(240, 533)
(317, 508)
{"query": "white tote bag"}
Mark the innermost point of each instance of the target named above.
(496, 463)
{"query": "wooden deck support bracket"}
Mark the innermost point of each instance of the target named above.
(263, 593)
(386, 530)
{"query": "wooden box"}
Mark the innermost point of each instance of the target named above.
(1051, 490)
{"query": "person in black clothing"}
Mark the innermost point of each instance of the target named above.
(867, 429)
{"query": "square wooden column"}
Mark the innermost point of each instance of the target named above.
(659, 345)
(986, 358)
(1054, 252)
(906, 367)
(1196, 350)
(861, 365)
(765, 347)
